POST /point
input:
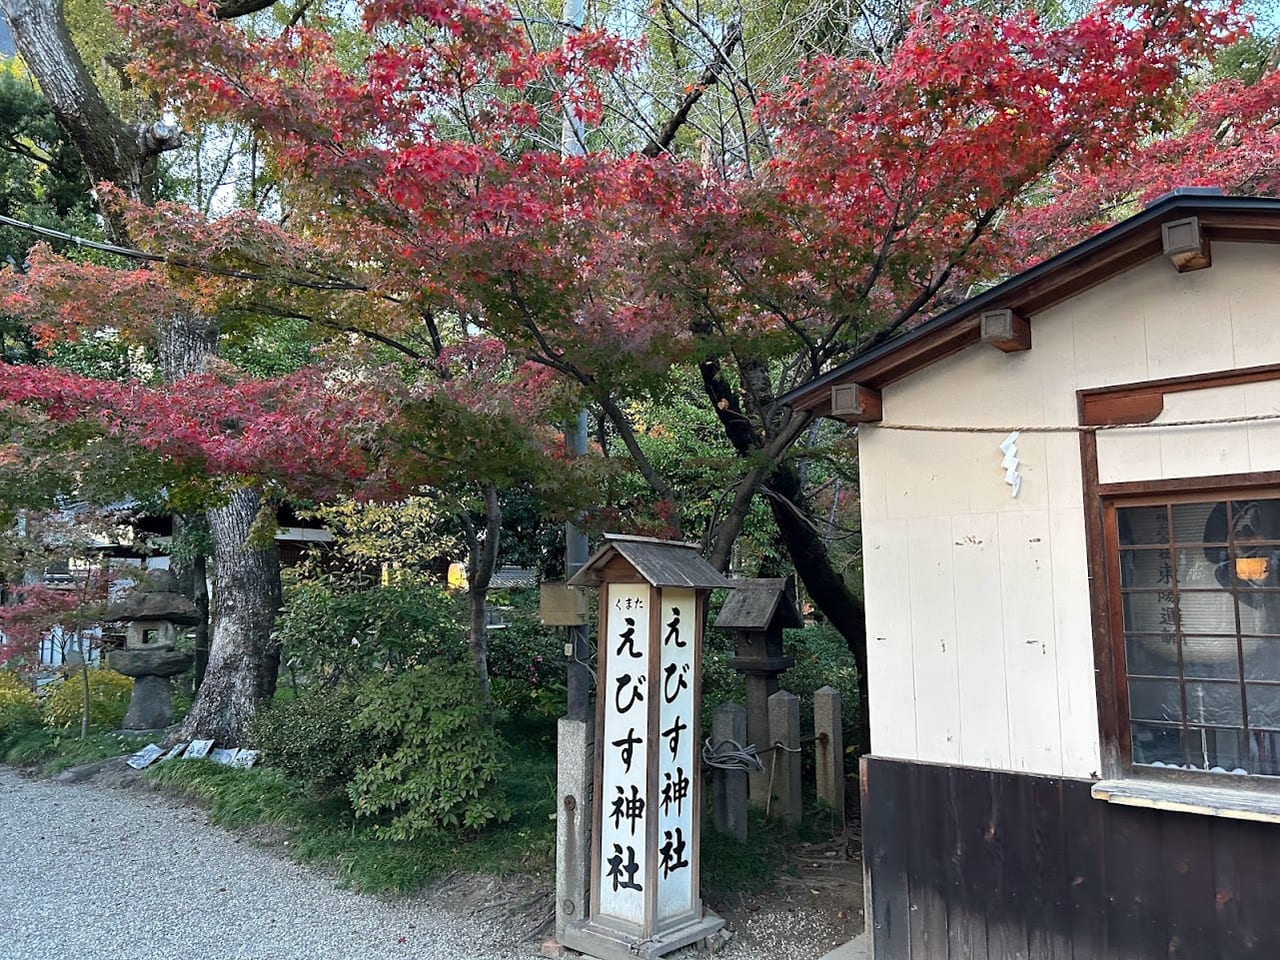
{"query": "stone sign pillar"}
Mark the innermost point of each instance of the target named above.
(646, 816)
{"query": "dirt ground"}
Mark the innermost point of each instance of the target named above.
(817, 903)
(816, 906)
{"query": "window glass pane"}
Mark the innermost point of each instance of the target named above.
(1215, 703)
(1150, 611)
(1153, 655)
(1255, 520)
(1155, 700)
(1210, 657)
(1261, 658)
(1143, 525)
(1264, 753)
(1146, 568)
(1207, 612)
(1200, 522)
(1264, 705)
(1153, 744)
(1259, 611)
(1219, 750)
(1205, 568)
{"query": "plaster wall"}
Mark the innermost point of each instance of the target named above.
(980, 640)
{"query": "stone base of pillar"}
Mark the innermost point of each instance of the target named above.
(606, 943)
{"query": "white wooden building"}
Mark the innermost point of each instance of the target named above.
(1065, 648)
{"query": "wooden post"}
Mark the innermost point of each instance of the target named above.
(729, 787)
(784, 759)
(830, 750)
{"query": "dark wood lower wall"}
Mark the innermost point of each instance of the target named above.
(969, 864)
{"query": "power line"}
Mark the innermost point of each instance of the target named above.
(133, 253)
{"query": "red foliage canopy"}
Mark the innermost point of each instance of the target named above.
(414, 190)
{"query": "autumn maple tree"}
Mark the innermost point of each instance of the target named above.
(421, 212)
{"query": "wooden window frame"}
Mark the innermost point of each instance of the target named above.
(1113, 405)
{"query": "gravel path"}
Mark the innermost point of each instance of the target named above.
(88, 873)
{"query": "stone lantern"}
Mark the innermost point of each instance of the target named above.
(154, 615)
(758, 611)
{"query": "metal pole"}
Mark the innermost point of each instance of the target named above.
(573, 144)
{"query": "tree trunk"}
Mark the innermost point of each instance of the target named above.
(124, 154)
(242, 664)
(244, 659)
(791, 511)
(200, 597)
(827, 589)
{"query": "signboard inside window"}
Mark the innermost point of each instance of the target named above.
(1200, 602)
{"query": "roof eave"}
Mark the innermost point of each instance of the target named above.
(1087, 264)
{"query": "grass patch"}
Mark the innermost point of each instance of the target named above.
(55, 750)
(234, 798)
(325, 832)
(747, 868)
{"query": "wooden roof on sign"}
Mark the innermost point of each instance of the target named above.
(661, 563)
(754, 604)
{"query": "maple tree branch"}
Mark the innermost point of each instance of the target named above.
(608, 405)
(939, 280)
(381, 338)
(299, 13)
(230, 9)
(433, 331)
(721, 55)
(133, 253)
(711, 75)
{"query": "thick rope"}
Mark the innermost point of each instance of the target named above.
(731, 755)
(1073, 428)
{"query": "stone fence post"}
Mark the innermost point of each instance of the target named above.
(729, 787)
(829, 748)
(783, 763)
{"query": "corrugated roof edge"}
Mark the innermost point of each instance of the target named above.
(1176, 201)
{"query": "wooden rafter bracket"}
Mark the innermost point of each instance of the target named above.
(1186, 244)
(854, 403)
(1005, 330)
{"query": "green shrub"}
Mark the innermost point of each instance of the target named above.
(312, 739)
(109, 694)
(822, 659)
(332, 631)
(527, 667)
(443, 771)
(19, 708)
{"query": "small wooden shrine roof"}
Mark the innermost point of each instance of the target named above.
(754, 604)
(661, 563)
